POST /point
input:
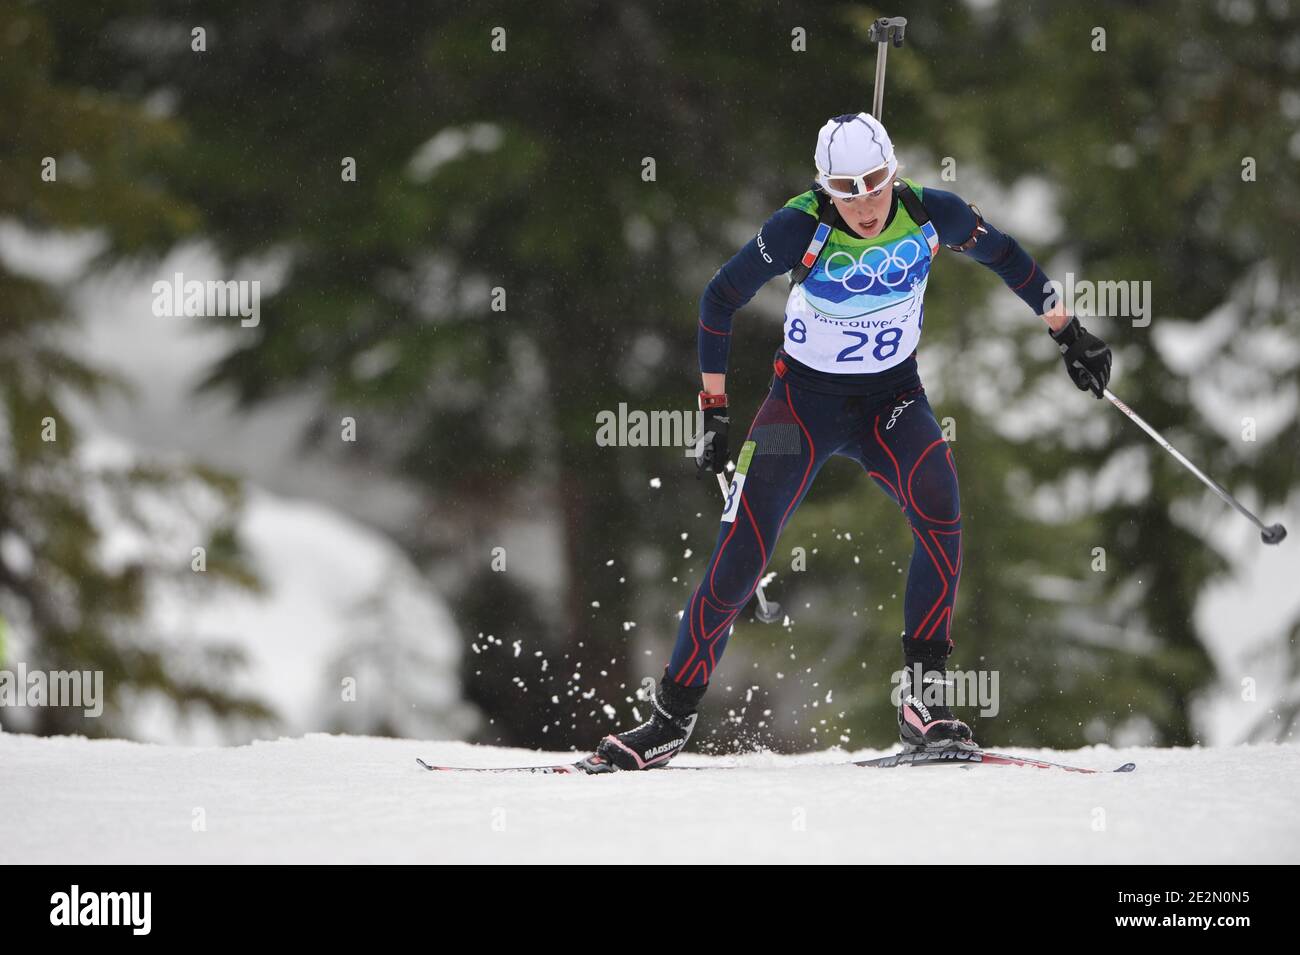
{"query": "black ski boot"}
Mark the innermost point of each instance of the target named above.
(924, 720)
(660, 738)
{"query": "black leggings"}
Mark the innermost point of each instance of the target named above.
(896, 439)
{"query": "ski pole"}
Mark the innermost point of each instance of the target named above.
(881, 33)
(769, 611)
(1273, 534)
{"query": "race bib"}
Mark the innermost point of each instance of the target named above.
(861, 308)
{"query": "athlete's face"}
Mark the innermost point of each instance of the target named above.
(865, 215)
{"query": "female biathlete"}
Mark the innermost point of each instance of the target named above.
(858, 248)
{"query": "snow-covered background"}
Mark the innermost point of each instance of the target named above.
(339, 601)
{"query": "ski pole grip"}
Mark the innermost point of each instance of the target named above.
(888, 29)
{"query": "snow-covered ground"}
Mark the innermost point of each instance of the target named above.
(359, 799)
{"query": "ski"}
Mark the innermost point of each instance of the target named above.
(583, 767)
(595, 765)
(974, 757)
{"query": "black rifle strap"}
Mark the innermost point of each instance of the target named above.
(912, 204)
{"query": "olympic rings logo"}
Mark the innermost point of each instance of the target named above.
(876, 264)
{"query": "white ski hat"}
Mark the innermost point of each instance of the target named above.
(853, 144)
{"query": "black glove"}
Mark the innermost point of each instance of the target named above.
(1087, 357)
(711, 449)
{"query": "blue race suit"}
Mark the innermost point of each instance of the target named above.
(854, 322)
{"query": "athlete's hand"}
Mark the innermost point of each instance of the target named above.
(1087, 357)
(711, 449)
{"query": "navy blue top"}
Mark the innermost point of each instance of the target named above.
(784, 238)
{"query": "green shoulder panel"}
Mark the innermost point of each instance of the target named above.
(804, 202)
